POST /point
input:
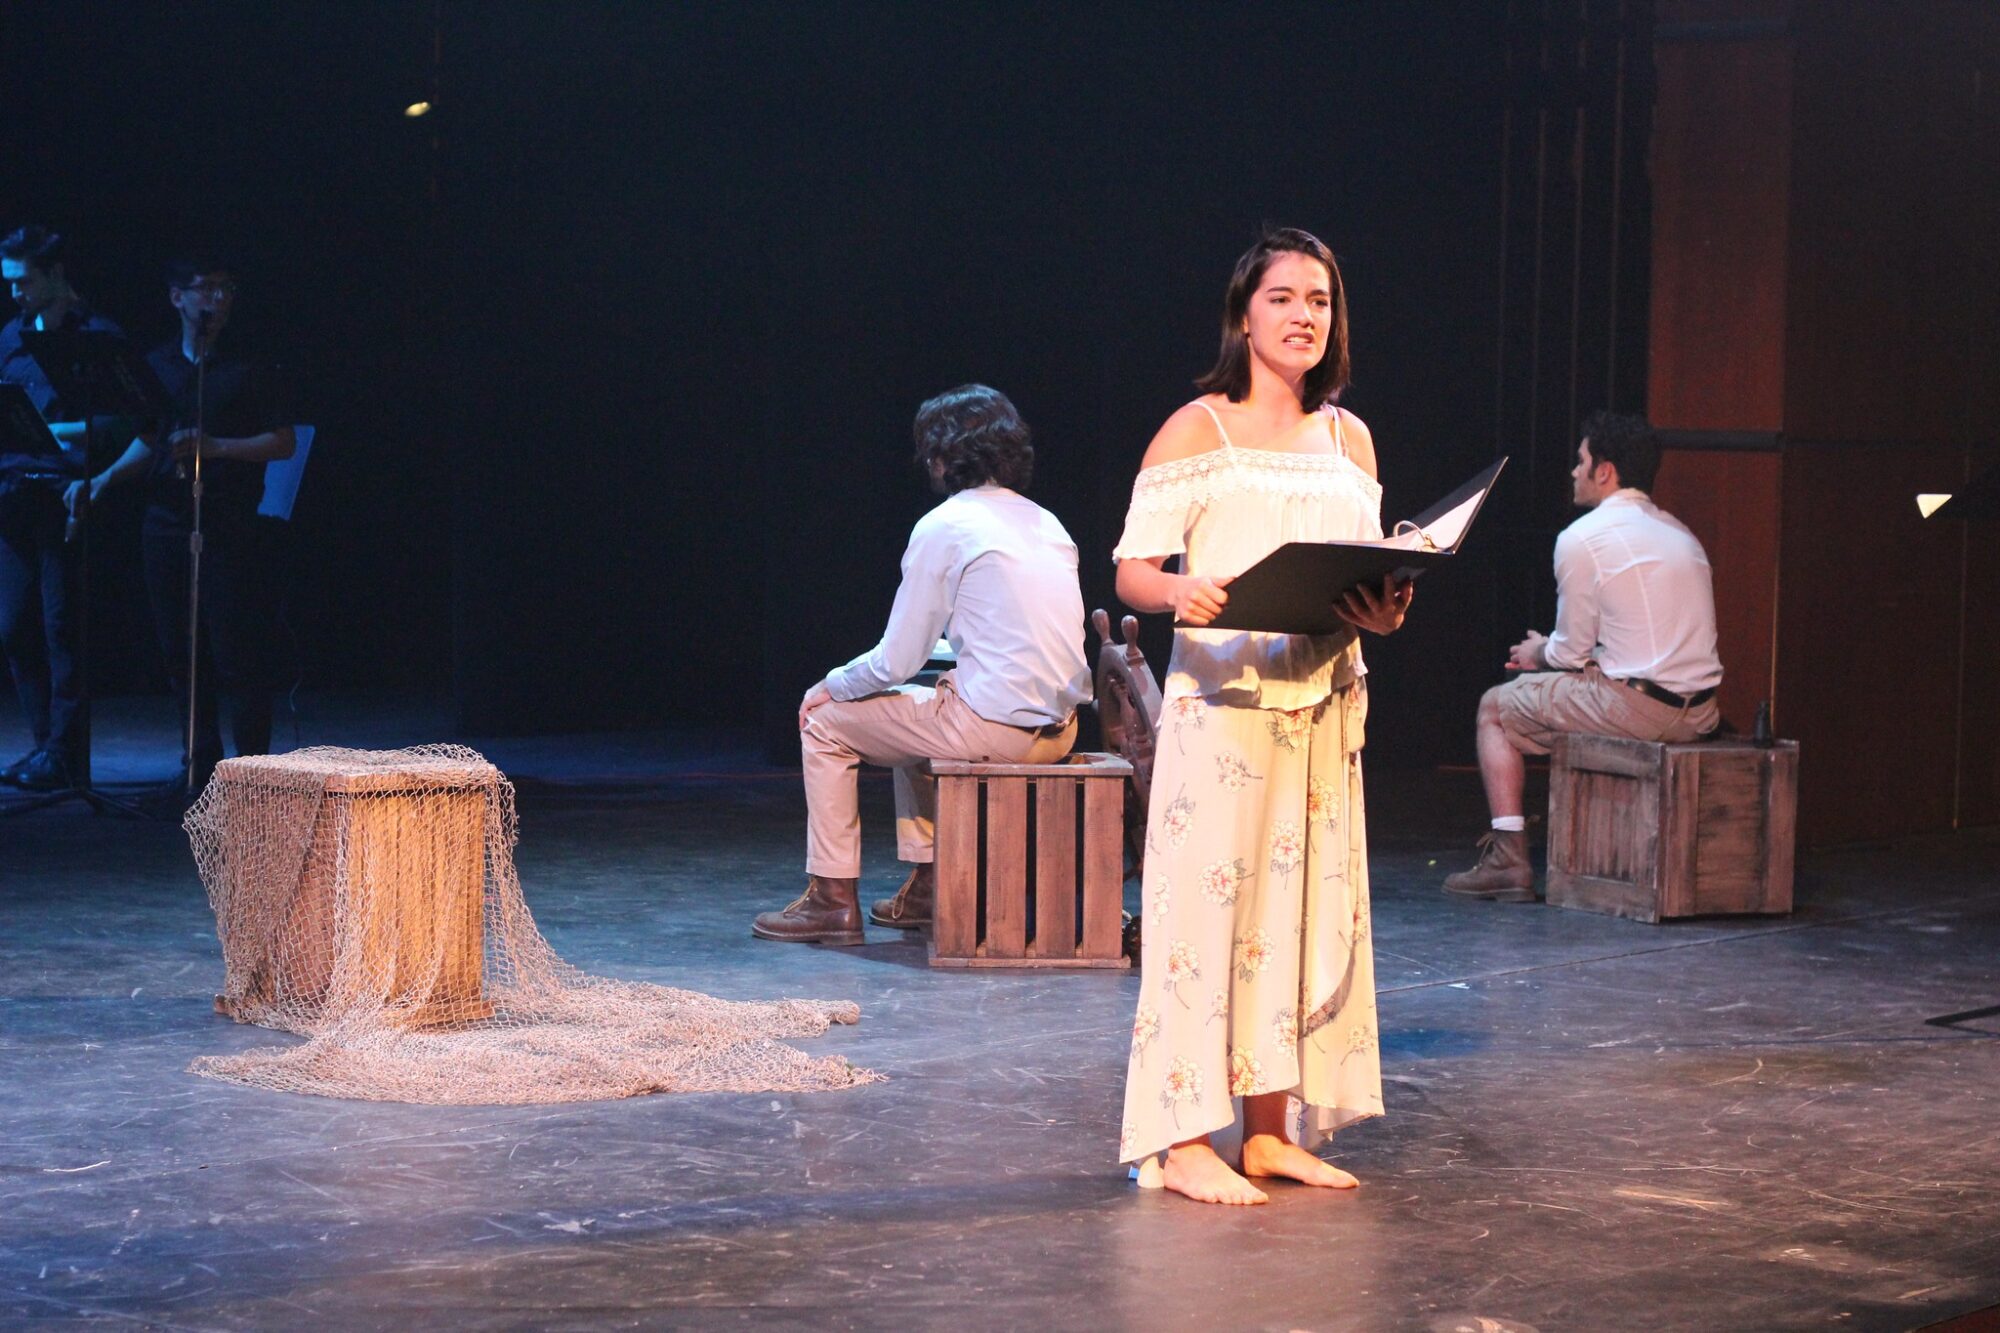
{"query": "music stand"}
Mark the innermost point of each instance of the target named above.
(95, 373)
(22, 430)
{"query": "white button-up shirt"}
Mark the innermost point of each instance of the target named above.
(1634, 591)
(994, 573)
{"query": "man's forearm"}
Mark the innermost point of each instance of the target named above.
(131, 463)
(265, 448)
(883, 667)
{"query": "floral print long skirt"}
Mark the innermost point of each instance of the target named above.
(1257, 971)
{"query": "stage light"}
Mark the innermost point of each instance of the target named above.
(1978, 501)
(415, 109)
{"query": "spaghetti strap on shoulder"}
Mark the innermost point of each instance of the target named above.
(1216, 417)
(1339, 441)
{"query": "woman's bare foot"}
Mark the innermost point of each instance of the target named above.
(1193, 1169)
(1275, 1155)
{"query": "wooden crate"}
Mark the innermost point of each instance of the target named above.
(356, 889)
(1650, 831)
(1030, 863)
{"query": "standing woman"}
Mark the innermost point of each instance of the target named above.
(1258, 978)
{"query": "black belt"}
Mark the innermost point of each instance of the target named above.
(1667, 696)
(1045, 729)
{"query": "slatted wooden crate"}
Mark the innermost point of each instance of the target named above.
(1650, 831)
(1030, 863)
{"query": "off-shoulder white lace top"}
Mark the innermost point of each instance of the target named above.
(1223, 511)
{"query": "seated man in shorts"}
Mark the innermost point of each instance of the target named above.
(1633, 652)
(993, 572)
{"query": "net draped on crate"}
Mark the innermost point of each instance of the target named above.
(367, 901)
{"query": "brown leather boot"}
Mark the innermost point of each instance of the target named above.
(1503, 874)
(828, 912)
(910, 909)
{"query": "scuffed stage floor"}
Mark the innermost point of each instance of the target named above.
(1593, 1124)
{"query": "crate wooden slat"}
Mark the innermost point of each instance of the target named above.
(1103, 869)
(387, 891)
(955, 910)
(1651, 831)
(995, 863)
(1055, 864)
(1006, 869)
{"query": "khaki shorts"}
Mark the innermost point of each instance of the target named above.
(1539, 705)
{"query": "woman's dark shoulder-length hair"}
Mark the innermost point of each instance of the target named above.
(977, 436)
(1231, 375)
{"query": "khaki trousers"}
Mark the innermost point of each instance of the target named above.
(899, 730)
(1539, 705)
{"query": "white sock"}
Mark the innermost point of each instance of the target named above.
(1510, 824)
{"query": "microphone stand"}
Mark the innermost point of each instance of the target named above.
(201, 349)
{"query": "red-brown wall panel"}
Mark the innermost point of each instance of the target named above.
(1720, 164)
(1729, 499)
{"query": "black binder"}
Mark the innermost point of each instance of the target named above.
(1293, 589)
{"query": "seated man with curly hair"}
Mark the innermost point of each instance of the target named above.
(995, 574)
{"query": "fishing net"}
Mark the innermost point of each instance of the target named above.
(367, 901)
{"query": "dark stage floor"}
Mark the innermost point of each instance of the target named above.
(1592, 1124)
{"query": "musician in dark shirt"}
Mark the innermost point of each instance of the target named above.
(40, 571)
(245, 428)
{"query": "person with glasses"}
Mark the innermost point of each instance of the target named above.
(237, 427)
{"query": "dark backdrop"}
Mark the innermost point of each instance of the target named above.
(614, 354)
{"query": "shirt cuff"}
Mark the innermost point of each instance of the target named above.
(836, 685)
(1553, 652)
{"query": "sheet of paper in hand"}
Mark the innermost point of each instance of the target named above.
(1293, 589)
